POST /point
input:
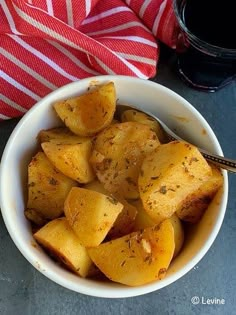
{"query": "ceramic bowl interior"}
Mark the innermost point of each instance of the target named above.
(175, 111)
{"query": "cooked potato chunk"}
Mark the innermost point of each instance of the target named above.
(91, 214)
(196, 203)
(47, 187)
(125, 221)
(137, 258)
(178, 233)
(35, 217)
(89, 113)
(142, 219)
(71, 157)
(60, 133)
(118, 153)
(97, 186)
(135, 115)
(168, 175)
(59, 239)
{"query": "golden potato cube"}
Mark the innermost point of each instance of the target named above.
(59, 239)
(142, 219)
(178, 233)
(118, 153)
(168, 175)
(90, 112)
(91, 214)
(135, 115)
(125, 221)
(47, 188)
(35, 217)
(59, 133)
(198, 201)
(71, 157)
(97, 186)
(137, 258)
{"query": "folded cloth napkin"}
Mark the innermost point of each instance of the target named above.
(45, 44)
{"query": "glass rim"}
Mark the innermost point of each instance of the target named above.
(199, 43)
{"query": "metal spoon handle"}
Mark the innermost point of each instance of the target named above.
(227, 164)
(219, 161)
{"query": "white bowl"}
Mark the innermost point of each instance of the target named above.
(147, 95)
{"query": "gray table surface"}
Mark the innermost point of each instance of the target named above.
(25, 291)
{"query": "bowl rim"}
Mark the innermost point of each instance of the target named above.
(118, 292)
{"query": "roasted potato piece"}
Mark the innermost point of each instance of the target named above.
(59, 133)
(35, 217)
(97, 186)
(178, 233)
(59, 239)
(140, 257)
(168, 175)
(47, 188)
(91, 214)
(142, 219)
(71, 157)
(117, 156)
(115, 121)
(135, 115)
(125, 220)
(89, 113)
(196, 203)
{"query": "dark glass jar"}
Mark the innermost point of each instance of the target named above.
(201, 64)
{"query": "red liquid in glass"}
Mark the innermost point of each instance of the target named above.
(212, 21)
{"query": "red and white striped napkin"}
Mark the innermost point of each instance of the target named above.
(45, 44)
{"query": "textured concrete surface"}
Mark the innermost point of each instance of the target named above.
(23, 290)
